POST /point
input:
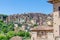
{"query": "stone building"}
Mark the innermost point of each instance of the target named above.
(56, 17)
(42, 33)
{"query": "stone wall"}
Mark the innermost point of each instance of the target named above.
(16, 38)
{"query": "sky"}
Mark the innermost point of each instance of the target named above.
(10, 7)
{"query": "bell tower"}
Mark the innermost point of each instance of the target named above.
(56, 16)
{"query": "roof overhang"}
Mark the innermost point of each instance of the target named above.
(42, 28)
(53, 1)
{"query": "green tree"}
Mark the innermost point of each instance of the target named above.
(10, 34)
(7, 31)
(21, 33)
(35, 25)
(4, 16)
(6, 27)
(10, 26)
(3, 26)
(3, 37)
(27, 34)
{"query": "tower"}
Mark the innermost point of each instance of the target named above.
(56, 16)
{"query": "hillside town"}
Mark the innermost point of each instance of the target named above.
(29, 20)
(31, 26)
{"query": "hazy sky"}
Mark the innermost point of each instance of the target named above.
(21, 6)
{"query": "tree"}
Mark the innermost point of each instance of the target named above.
(23, 34)
(3, 37)
(6, 27)
(10, 34)
(27, 34)
(35, 25)
(3, 26)
(4, 16)
(7, 31)
(10, 26)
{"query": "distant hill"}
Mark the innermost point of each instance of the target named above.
(40, 18)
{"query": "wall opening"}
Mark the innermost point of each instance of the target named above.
(59, 11)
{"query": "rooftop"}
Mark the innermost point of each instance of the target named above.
(42, 28)
(53, 1)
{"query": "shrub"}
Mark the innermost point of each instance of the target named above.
(35, 25)
(21, 33)
(27, 34)
(10, 34)
(3, 37)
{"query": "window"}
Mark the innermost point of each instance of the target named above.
(59, 8)
(59, 29)
(42, 33)
(59, 11)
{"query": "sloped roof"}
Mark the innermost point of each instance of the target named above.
(53, 1)
(50, 1)
(41, 28)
